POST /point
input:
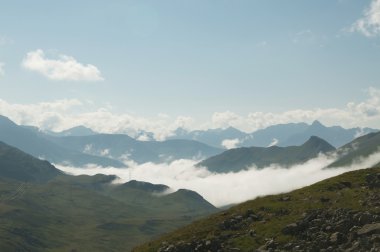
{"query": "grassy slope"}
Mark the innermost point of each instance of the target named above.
(42, 209)
(276, 213)
(65, 214)
(27, 168)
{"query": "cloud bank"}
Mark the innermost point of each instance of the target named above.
(228, 188)
(369, 24)
(230, 143)
(63, 68)
(63, 114)
(274, 142)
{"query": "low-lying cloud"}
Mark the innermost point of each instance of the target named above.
(274, 142)
(64, 68)
(230, 143)
(228, 188)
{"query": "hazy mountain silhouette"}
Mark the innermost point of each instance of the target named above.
(35, 144)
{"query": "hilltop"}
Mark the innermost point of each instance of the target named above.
(337, 214)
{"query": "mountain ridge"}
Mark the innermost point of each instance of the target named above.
(284, 134)
(38, 146)
(241, 158)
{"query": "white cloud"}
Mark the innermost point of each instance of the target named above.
(369, 24)
(184, 122)
(308, 38)
(63, 114)
(225, 119)
(63, 68)
(2, 72)
(274, 142)
(230, 143)
(366, 113)
(143, 137)
(227, 188)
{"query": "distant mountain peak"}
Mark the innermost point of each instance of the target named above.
(189, 194)
(6, 120)
(319, 143)
(180, 131)
(79, 130)
(317, 123)
(315, 138)
(231, 129)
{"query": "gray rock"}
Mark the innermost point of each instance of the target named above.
(369, 229)
(291, 229)
(366, 218)
(337, 238)
(252, 233)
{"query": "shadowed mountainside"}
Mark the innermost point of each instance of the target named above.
(38, 146)
(362, 147)
(242, 158)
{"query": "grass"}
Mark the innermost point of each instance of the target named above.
(67, 214)
(271, 208)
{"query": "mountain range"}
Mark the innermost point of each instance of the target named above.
(121, 147)
(81, 146)
(39, 146)
(282, 135)
(100, 149)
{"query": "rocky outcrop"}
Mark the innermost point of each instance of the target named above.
(333, 230)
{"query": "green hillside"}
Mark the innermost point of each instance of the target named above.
(337, 214)
(44, 210)
(242, 158)
(27, 168)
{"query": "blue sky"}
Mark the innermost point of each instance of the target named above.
(191, 58)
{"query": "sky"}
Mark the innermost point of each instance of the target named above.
(157, 65)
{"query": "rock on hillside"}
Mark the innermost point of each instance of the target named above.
(338, 214)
